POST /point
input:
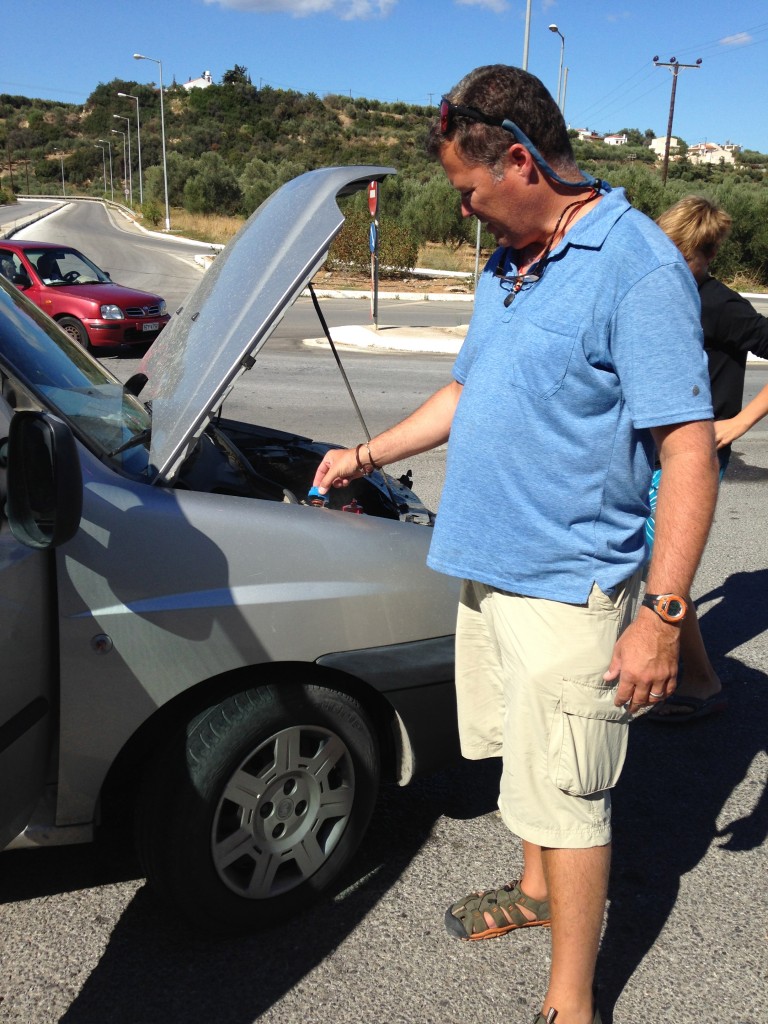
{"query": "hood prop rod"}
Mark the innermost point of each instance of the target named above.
(327, 334)
(329, 339)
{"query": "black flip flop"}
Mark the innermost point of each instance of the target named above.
(697, 707)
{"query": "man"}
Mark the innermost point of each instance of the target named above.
(732, 329)
(584, 350)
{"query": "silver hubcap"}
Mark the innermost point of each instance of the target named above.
(283, 811)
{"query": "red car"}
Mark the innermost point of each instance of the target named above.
(80, 297)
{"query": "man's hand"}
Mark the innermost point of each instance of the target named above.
(645, 661)
(338, 467)
(424, 429)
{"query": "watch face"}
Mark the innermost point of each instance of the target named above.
(674, 608)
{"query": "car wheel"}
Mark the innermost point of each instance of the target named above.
(258, 804)
(75, 330)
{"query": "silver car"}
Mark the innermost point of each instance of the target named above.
(185, 640)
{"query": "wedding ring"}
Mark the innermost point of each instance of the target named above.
(658, 696)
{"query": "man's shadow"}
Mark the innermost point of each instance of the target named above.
(675, 785)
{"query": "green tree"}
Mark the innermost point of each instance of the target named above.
(238, 75)
(634, 138)
(261, 178)
(179, 168)
(213, 187)
(433, 213)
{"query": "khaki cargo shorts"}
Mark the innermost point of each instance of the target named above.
(530, 688)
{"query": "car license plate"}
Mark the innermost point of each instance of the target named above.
(150, 327)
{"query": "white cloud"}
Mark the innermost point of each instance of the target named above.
(499, 6)
(740, 39)
(347, 10)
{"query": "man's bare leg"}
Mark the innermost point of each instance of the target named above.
(577, 881)
(534, 882)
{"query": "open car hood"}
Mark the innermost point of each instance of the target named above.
(214, 337)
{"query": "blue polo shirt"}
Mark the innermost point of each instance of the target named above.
(550, 456)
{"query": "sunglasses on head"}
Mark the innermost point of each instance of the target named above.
(449, 110)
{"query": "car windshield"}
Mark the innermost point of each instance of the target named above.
(57, 267)
(58, 372)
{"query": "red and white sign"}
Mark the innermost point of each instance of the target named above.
(373, 197)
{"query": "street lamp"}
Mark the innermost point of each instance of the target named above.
(116, 131)
(565, 86)
(130, 162)
(140, 56)
(554, 28)
(527, 37)
(108, 142)
(104, 164)
(61, 157)
(128, 96)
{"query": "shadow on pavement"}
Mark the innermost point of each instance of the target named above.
(154, 969)
(674, 787)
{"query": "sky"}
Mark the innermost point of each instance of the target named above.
(415, 50)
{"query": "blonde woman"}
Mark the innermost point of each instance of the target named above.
(732, 330)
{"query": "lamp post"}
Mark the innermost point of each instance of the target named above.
(674, 66)
(103, 164)
(116, 131)
(140, 56)
(128, 96)
(130, 162)
(527, 37)
(554, 28)
(565, 86)
(108, 142)
(61, 157)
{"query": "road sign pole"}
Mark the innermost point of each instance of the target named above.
(373, 242)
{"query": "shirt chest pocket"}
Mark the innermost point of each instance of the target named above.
(539, 357)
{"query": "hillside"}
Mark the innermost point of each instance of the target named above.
(229, 146)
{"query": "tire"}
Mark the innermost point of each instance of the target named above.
(75, 330)
(253, 810)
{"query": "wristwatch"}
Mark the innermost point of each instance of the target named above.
(669, 607)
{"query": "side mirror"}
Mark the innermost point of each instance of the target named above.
(22, 280)
(44, 499)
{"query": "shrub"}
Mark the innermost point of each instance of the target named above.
(351, 248)
(151, 212)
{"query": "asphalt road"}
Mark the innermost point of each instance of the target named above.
(685, 941)
(83, 941)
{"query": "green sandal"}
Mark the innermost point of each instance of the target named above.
(466, 919)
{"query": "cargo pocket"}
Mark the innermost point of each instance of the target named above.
(588, 741)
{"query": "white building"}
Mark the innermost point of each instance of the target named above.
(615, 140)
(199, 83)
(658, 146)
(587, 135)
(712, 153)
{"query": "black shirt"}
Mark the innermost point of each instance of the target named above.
(732, 329)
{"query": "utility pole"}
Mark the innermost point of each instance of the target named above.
(674, 66)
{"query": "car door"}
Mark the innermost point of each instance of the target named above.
(27, 666)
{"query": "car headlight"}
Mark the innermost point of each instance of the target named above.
(163, 307)
(111, 313)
